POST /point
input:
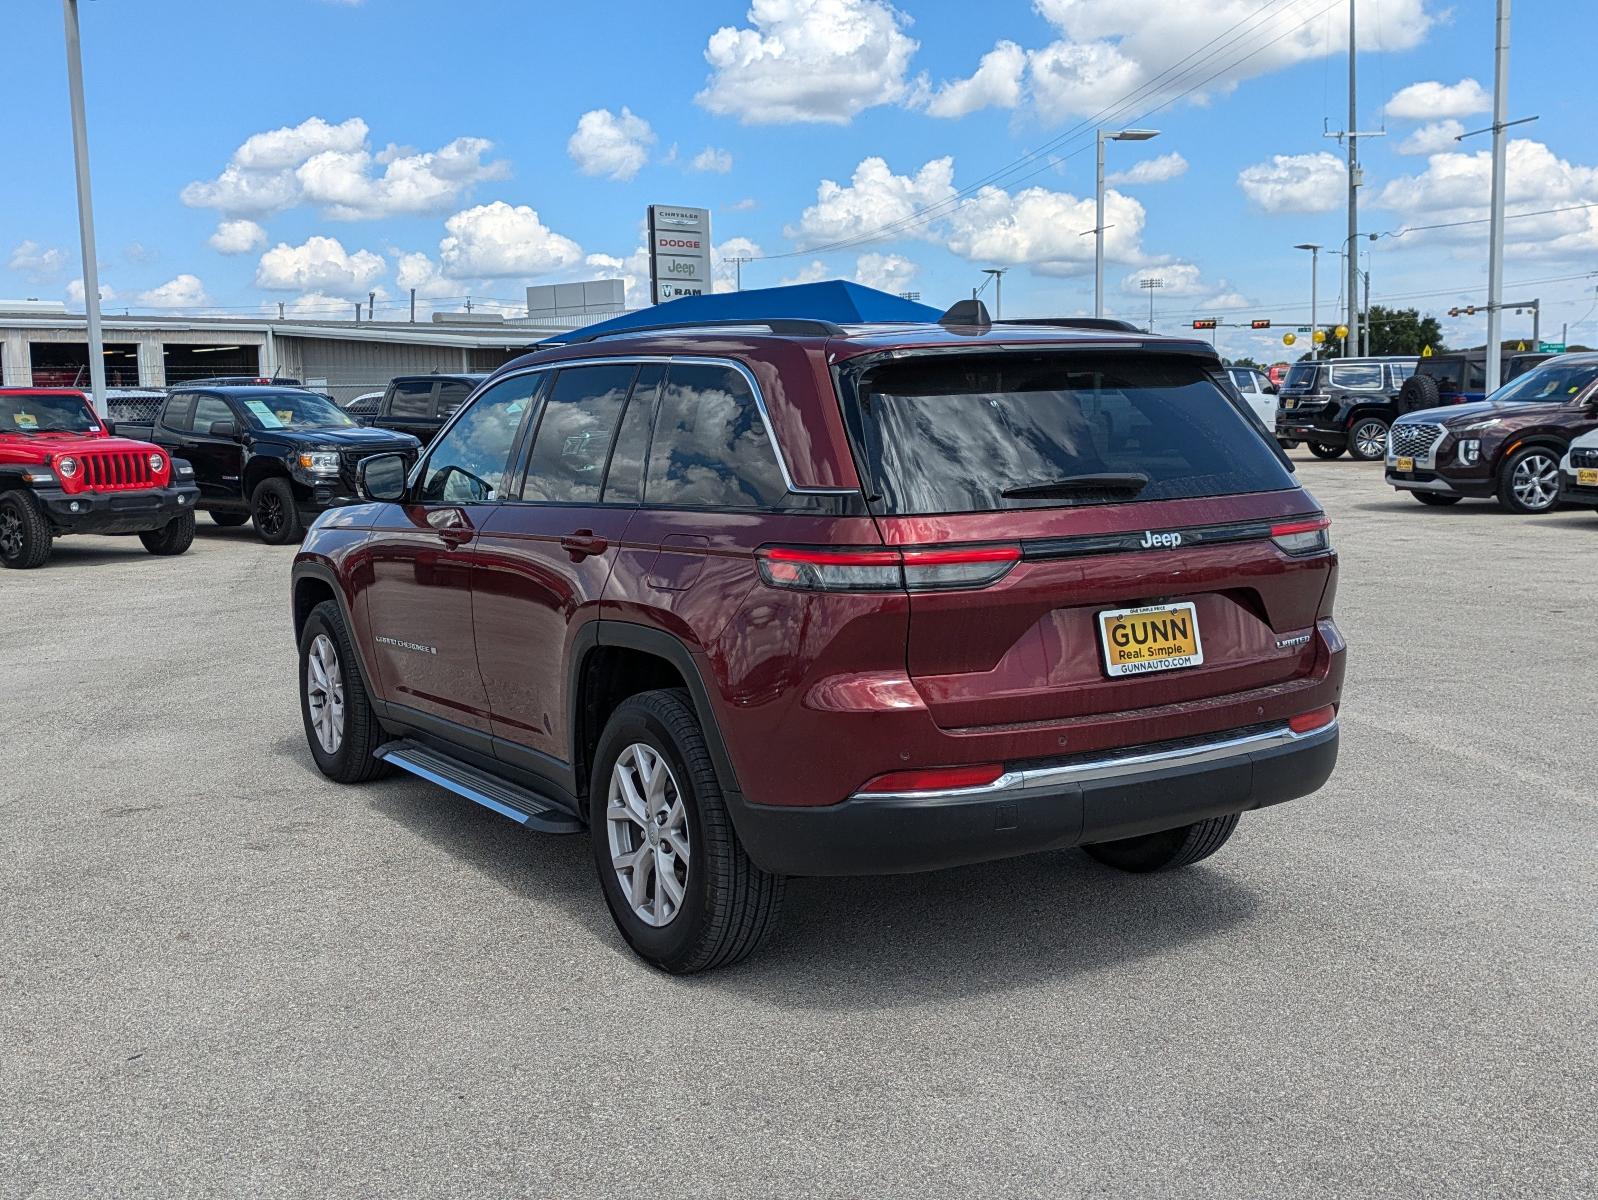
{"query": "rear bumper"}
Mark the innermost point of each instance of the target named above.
(1042, 805)
(116, 512)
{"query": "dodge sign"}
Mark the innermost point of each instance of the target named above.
(679, 252)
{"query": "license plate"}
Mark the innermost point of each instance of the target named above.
(1404, 464)
(1160, 637)
(1587, 477)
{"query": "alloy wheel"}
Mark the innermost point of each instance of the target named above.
(647, 826)
(10, 534)
(1370, 437)
(269, 514)
(324, 693)
(1536, 482)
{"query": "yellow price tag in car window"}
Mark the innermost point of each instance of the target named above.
(26, 420)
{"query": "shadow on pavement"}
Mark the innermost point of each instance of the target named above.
(872, 943)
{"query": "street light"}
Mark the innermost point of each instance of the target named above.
(996, 278)
(80, 154)
(1151, 284)
(1314, 286)
(1115, 135)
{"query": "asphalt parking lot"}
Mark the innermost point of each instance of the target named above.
(223, 975)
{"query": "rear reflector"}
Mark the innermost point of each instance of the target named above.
(937, 779)
(848, 569)
(1304, 722)
(1310, 536)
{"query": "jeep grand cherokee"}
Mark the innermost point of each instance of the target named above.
(802, 599)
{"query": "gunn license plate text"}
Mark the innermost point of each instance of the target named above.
(1160, 637)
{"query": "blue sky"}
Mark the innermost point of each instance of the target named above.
(474, 148)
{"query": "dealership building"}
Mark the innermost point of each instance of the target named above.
(43, 345)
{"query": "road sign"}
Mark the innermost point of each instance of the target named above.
(679, 252)
(1426, 351)
(1550, 347)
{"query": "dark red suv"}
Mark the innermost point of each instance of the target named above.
(799, 599)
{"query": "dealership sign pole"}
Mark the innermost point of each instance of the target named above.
(80, 149)
(679, 252)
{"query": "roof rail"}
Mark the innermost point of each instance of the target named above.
(796, 326)
(1105, 323)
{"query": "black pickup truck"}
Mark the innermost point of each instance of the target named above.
(277, 455)
(420, 404)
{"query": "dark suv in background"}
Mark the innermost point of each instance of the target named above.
(420, 404)
(1341, 404)
(1508, 448)
(1460, 377)
(809, 599)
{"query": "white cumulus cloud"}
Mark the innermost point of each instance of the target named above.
(320, 264)
(184, 291)
(1159, 169)
(498, 239)
(887, 272)
(996, 83)
(1296, 183)
(75, 293)
(633, 271)
(334, 167)
(711, 159)
(808, 60)
(1433, 138)
(37, 262)
(874, 197)
(812, 272)
(237, 237)
(614, 146)
(1430, 100)
(1043, 229)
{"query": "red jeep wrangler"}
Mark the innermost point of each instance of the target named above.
(802, 599)
(61, 472)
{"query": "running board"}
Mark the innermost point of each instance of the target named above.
(505, 798)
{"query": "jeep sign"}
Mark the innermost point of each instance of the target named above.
(679, 252)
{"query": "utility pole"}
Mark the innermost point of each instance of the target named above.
(1367, 276)
(1314, 288)
(371, 303)
(1495, 237)
(1353, 181)
(738, 271)
(1151, 284)
(80, 153)
(413, 306)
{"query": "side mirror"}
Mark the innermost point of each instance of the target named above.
(382, 477)
(224, 429)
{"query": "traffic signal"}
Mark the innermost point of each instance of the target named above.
(1469, 311)
(1259, 324)
(1204, 323)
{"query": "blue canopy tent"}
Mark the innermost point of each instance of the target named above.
(835, 300)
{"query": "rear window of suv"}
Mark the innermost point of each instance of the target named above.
(1300, 377)
(955, 435)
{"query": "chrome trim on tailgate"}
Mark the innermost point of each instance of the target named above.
(1116, 766)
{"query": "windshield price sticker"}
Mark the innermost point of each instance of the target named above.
(263, 414)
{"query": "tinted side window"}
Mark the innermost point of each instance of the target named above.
(207, 410)
(179, 412)
(468, 464)
(1357, 375)
(452, 394)
(624, 480)
(411, 398)
(574, 433)
(710, 446)
(1475, 376)
(1244, 379)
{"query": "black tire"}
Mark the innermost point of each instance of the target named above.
(729, 906)
(176, 536)
(1367, 429)
(1326, 452)
(277, 521)
(1418, 392)
(1168, 849)
(1436, 499)
(1542, 461)
(351, 760)
(228, 520)
(25, 538)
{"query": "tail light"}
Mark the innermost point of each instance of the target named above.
(1299, 538)
(844, 569)
(1316, 719)
(936, 779)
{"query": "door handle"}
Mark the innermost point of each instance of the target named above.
(583, 543)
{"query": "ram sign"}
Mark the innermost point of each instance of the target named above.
(679, 252)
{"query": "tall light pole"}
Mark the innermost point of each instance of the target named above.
(997, 276)
(1495, 237)
(80, 150)
(1314, 291)
(1115, 135)
(1354, 180)
(1151, 284)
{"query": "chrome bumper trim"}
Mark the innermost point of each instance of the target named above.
(1119, 765)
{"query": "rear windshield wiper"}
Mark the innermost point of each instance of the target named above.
(1126, 483)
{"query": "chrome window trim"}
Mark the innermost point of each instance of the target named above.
(1115, 766)
(668, 359)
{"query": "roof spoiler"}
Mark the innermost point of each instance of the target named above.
(1111, 324)
(792, 326)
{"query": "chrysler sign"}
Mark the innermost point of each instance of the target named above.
(679, 252)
